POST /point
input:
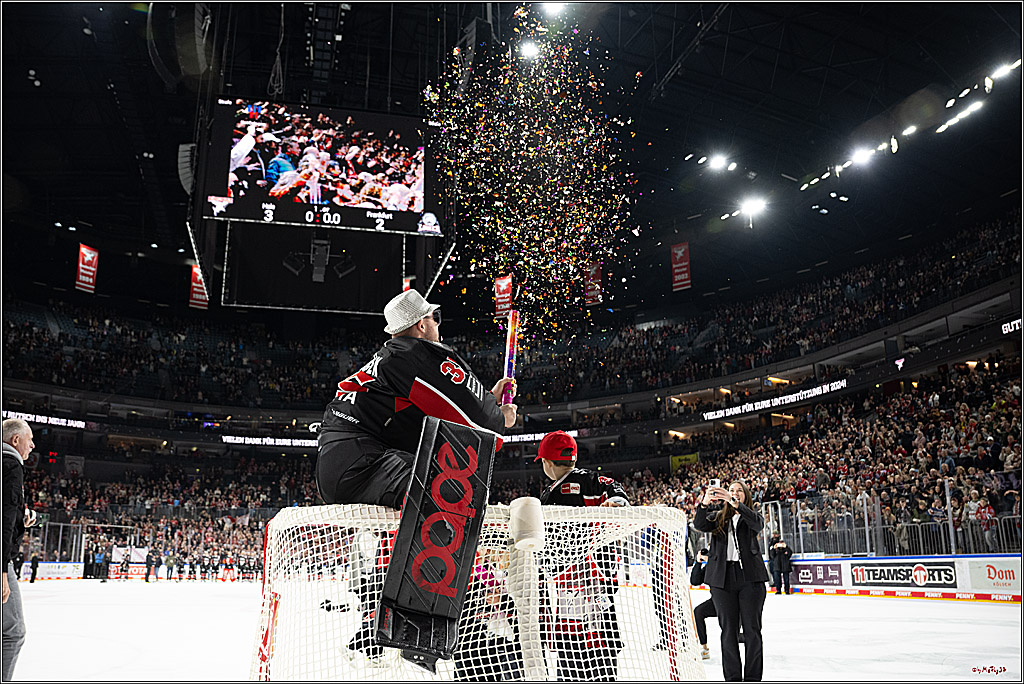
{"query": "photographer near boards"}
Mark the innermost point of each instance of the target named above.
(736, 575)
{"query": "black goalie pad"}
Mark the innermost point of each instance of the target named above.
(430, 568)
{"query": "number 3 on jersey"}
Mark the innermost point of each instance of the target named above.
(453, 369)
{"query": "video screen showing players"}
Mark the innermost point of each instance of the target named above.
(280, 163)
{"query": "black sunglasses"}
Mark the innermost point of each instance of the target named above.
(436, 315)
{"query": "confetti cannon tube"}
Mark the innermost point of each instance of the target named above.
(511, 344)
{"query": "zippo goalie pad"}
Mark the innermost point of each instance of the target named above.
(425, 586)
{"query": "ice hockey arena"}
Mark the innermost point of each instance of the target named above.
(497, 342)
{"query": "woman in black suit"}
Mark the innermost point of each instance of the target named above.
(736, 574)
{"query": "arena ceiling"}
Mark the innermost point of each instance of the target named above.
(784, 90)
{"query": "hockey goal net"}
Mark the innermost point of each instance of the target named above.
(606, 598)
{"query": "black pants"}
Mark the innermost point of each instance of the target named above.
(780, 578)
(740, 603)
(700, 614)
(363, 470)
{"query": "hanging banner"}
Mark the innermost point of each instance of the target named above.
(406, 284)
(680, 266)
(502, 295)
(88, 261)
(197, 298)
(593, 284)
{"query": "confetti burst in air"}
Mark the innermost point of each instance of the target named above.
(533, 166)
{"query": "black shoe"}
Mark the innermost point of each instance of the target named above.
(340, 607)
(778, 593)
(427, 662)
(363, 642)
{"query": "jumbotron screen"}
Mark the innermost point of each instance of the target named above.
(303, 165)
(316, 269)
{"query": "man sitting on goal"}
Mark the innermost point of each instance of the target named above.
(371, 430)
(583, 626)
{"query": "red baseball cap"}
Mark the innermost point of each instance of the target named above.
(553, 446)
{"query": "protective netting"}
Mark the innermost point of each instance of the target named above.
(606, 599)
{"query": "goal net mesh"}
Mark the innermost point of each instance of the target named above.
(607, 598)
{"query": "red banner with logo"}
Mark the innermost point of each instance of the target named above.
(502, 295)
(197, 298)
(406, 284)
(593, 283)
(680, 266)
(88, 261)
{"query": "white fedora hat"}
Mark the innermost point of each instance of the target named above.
(405, 309)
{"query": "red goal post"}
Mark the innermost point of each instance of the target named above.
(607, 596)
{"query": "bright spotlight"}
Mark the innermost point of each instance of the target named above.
(909, 130)
(552, 8)
(950, 102)
(894, 144)
(861, 156)
(732, 167)
(848, 163)
(804, 186)
(964, 92)
(702, 160)
(942, 128)
(753, 207)
(988, 84)
(724, 216)
(736, 213)
(1001, 71)
(717, 162)
(688, 157)
(153, 245)
(974, 107)
(529, 50)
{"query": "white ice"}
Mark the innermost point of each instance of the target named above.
(165, 631)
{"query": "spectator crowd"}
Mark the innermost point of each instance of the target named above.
(182, 360)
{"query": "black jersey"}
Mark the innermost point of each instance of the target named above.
(582, 487)
(407, 379)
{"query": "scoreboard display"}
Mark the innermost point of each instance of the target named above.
(313, 269)
(300, 165)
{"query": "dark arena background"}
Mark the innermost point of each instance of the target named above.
(770, 242)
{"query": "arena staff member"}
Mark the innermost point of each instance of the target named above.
(597, 634)
(736, 575)
(371, 430)
(17, 436)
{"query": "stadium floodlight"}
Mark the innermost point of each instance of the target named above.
(552, 8)
(1015, 64)
(804, 186)
(688, 157)
(529, 50)
(942, 128)
(814, 181)
(952, 122)
(735, 213)
(988, 84)
(825, 175)
(974, 107)
(724, 216)
(717, 162)
(909, 130)
(153, 245)
(1001, 71)
(862, 156)
(964, 92)
(72, 228)
(702, 160)
(894, 144)
(882, 146)
(732, 167)
(950, 102)
(58, 225)
(848, 163)
(752, 207)
(844, 198)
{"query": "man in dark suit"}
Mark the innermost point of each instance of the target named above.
(736, 575)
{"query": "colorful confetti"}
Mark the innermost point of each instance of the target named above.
(534, 167)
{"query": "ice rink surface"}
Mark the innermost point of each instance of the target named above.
(205, 631)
